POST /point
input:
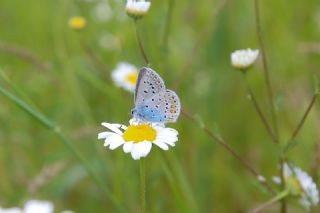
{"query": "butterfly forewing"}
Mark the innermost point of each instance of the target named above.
(148, 84)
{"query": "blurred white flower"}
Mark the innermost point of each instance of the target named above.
(243, 59)
(300, 184)
(125, 75)
(34, 206)
(38, 206)
(137, 8)
(102, 11)
(10, 210)
(138, 138)
(109, 42)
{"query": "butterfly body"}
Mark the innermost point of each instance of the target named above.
(153, 102)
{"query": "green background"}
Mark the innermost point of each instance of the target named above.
(65, 75)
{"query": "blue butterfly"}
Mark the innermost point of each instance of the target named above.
(153, 102)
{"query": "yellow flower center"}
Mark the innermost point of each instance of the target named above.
(293, 185)
(132, 77)
(138, 133)
(77, 23)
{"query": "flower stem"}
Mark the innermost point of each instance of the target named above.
(200, 39)
(94, 59)
(221, 142)
(265, 67)
(283, 183)
(300, 124)
(259, 111)
(143, 53)
(22, 53)
(273, 200)
(143, 185)
(167, 26)
(57, 131)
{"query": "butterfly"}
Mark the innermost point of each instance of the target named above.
(153, 102)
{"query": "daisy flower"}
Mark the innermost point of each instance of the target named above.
(77, 23)
(243, 59)
(138, 138)
(109, 42)
(10, 210)
(300, 184)
(33, 206)
(125, 75)
(102, 11)
(137, 8)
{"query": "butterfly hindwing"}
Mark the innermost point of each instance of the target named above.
(165, 106)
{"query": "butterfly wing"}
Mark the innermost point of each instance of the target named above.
(165, 107)
(148, 84)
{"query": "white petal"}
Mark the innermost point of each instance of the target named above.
(166, 132)
(276, 179)
(161, 144)
(140, 149)
(111, 138)
(127, 147)
(115, 144)
(124, 127)
(168, 140)
(113, 127)
(103, 135)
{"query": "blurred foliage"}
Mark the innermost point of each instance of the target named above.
(65, 75)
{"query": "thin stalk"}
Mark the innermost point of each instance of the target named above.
(56, 130)
(200, 39)
(167, 26)
(265, 68)
(272, 201)
(259, 111)
(94, 59)
(302, 121)
(143, 53)
(283, 208)
(24, 54)
(143, 185)
(187, 194)
(221, 142)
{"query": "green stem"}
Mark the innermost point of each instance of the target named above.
(94, 59)
(273, 200)
(221, 142)
(299, 126)
(283, 182)
(22, 53)
(56, 130)
(167, 26)
(198, 43)
(259, 111)
(265, 68)
(143, 53)
(143, 185)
